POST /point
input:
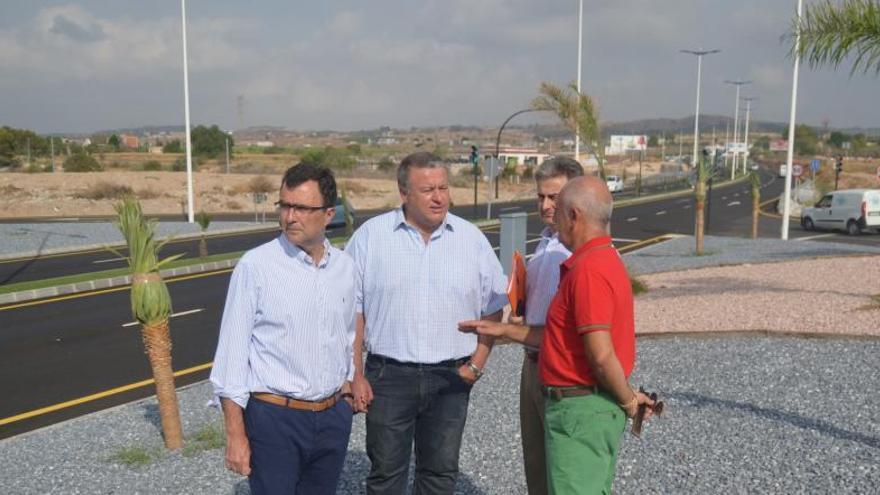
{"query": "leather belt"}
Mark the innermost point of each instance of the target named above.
(302, 405)
(449, 363)
(559, 393)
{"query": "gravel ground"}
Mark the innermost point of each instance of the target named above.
(28, 238)
(747, 414)
(678, 253)
(826, 295)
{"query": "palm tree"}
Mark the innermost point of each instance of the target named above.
(755, 180)
(151, 305)
(578, 114)
(204, 220)
(832, 32)
(703, 172)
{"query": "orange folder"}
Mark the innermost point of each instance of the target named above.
(516, 286)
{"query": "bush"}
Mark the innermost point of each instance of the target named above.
(151, 165)
(81, 162)
(179, 165)
(260, 184)
(385, 164)
(105, 190)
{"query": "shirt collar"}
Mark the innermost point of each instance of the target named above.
(400, 222)
(294, 251)
(588, 246)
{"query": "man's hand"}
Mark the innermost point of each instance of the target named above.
(238, 454)
(467, 374)
(632, 408)
(483, 327)
(362, 392)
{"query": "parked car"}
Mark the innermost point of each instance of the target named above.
(852, 210)
(614, 183)
(338, 217)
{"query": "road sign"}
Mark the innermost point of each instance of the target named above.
(797, 170)
(492, 165)
(815, 165)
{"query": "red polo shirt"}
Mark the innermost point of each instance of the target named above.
(594, 295)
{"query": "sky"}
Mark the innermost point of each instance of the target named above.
(83, 66)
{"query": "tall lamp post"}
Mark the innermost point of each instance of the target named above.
(746, 133)
(786, 199)
(736, 83)
(189, 179)
(699, 54)
(577, 132)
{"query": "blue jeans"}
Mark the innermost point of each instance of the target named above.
(421, 403)
(295, 451)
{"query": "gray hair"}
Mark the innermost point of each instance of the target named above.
(421, 159)
(596, 209)
(558, 166)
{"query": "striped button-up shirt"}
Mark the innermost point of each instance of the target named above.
(288, 325)
(542, 276)
(413, 294)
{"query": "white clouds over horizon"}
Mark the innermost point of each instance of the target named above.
(75, 67)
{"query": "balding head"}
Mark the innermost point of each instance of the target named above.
(590, 196)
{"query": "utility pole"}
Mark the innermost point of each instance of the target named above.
(746, 133)
(52, 152)
(577, 131)
(227, 154)
(738, 84)
(190, 214)
(726, 143)
(786, 199)
(699, 54)
(29, 152)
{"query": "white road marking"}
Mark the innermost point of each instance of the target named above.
(175, 315)
(661, 212)
(632, 219)
(685, 200)
(687, 206)
(618, 239)
(736, 195)
(723, 197)
(733, 203)
(110, 260)
(820, 236)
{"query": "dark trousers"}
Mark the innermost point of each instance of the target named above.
(425, 404)
(295, 451)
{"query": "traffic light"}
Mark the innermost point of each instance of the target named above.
(474, 155)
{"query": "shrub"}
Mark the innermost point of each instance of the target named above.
(105, 190)
(260, 184)
(385, 164)
(81, 162)
(151, 165)
(148, 193)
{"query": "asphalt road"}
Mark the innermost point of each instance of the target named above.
(59, 350)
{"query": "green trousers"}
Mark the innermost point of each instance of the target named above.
(582, 439)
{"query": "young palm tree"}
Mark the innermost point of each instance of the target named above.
(831, 32)
(756, 201)
(204, 220)
(703, 172)
(577, 112)
(151, 305)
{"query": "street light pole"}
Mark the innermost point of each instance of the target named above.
(189, 179)
(699, 54)
(786, 200)
(746, 133)
(577, 131)
(736, 83)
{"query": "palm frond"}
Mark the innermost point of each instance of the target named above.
(832, 33)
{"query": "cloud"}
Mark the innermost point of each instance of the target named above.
(65, 27)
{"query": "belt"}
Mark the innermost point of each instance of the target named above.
(532, 355)
(559, 393)
(449, 363)
(302, 405)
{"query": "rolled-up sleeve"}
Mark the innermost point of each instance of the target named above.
(231, 369)
(356, 248)
(492, 280)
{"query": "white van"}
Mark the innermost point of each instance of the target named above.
(782, 170)
(852, 210)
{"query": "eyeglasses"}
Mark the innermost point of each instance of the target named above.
(297, 209)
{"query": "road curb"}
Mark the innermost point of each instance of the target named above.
(92, 247)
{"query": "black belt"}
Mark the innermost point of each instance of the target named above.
(449, 363)
(532, 355)
(559, 393)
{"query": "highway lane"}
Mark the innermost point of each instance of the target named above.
(51, 352)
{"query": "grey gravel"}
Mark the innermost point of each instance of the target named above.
(24, 239)
(678, 253)
(746, 414)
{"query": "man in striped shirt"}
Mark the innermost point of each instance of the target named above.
(284, 358)
(420, 270)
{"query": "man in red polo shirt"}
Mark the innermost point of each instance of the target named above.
(588, 347)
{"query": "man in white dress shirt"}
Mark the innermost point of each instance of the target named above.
(283, 364)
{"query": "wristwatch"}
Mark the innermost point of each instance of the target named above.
(478, 373)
